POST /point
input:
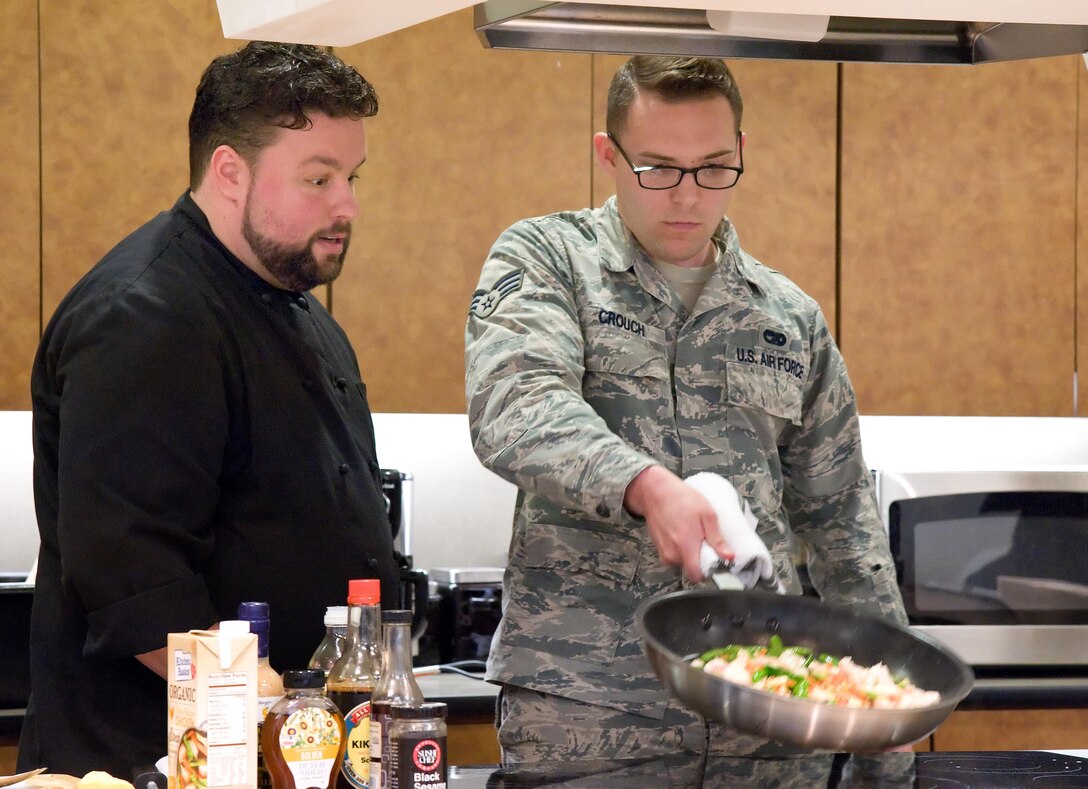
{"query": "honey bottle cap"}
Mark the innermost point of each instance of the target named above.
(305, 679)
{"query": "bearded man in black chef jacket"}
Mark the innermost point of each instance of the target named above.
(201, 429)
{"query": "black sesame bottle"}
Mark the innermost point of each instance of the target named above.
(418, 746)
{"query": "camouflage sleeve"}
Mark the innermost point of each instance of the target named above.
(524, 364)
(828, 491)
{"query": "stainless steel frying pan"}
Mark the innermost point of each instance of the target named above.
(677, 626)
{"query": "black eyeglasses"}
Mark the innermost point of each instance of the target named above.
(708, 176)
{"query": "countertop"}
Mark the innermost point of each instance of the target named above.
(465, 697)
(969, 770)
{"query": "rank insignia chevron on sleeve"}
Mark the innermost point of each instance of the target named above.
(485, 302)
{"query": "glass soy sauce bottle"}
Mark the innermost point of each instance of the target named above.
(352, 680)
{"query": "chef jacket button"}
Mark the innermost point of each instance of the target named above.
(373, 466)
(372, 563)
(266, 299)
(302, 303)
(603, 511)
(344, 469)
(341, 383)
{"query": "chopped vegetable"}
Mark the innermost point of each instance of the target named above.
(796, 671)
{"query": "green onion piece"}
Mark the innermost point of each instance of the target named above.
(801, 689)
(774, 649)
(729, 652)
(774, 671)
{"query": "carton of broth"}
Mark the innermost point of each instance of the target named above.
(212, 708)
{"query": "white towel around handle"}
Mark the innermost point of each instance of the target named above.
(752, 563)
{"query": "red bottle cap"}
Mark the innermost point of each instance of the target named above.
(364, 591)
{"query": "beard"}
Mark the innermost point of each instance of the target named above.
(296, 267)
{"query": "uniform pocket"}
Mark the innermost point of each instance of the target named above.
(610, 351)
(574, 594)
(626, 373)
(764, 389)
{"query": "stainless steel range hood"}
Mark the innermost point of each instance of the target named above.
(650, 29)
(889, 31)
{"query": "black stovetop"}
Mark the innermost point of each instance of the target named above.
(969, 770)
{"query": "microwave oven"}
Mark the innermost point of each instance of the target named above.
(993, 562)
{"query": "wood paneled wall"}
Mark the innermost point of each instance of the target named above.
(466, 142)
(1082, 244)
(117, 88)
(958, 236)
(20, 228)
(785, 211)
(950, 272)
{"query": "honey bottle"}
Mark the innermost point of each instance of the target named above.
(304, 736)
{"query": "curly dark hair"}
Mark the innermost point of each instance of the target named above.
(672, 78)
(244, 96)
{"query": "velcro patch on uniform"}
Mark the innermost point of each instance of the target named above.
(485, 302)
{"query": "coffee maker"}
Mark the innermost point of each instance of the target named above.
(412, 591)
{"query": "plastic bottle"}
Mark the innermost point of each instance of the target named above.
(269, 683)
(304, 735)
(332, 645)
(354, 677)
(397, 686)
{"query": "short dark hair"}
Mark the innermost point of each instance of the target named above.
(672, 78)
(245, 96)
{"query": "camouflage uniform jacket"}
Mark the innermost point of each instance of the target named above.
(582, 369)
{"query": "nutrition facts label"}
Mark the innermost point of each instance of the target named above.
(228, 724)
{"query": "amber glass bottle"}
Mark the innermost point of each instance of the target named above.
(303, 738)
(354, 677)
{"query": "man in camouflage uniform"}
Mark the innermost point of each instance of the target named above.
(612, 352)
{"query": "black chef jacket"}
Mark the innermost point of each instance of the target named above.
(200, 438)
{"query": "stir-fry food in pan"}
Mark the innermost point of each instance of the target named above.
(803, 673)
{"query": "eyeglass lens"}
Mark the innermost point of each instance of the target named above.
(708, 177)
